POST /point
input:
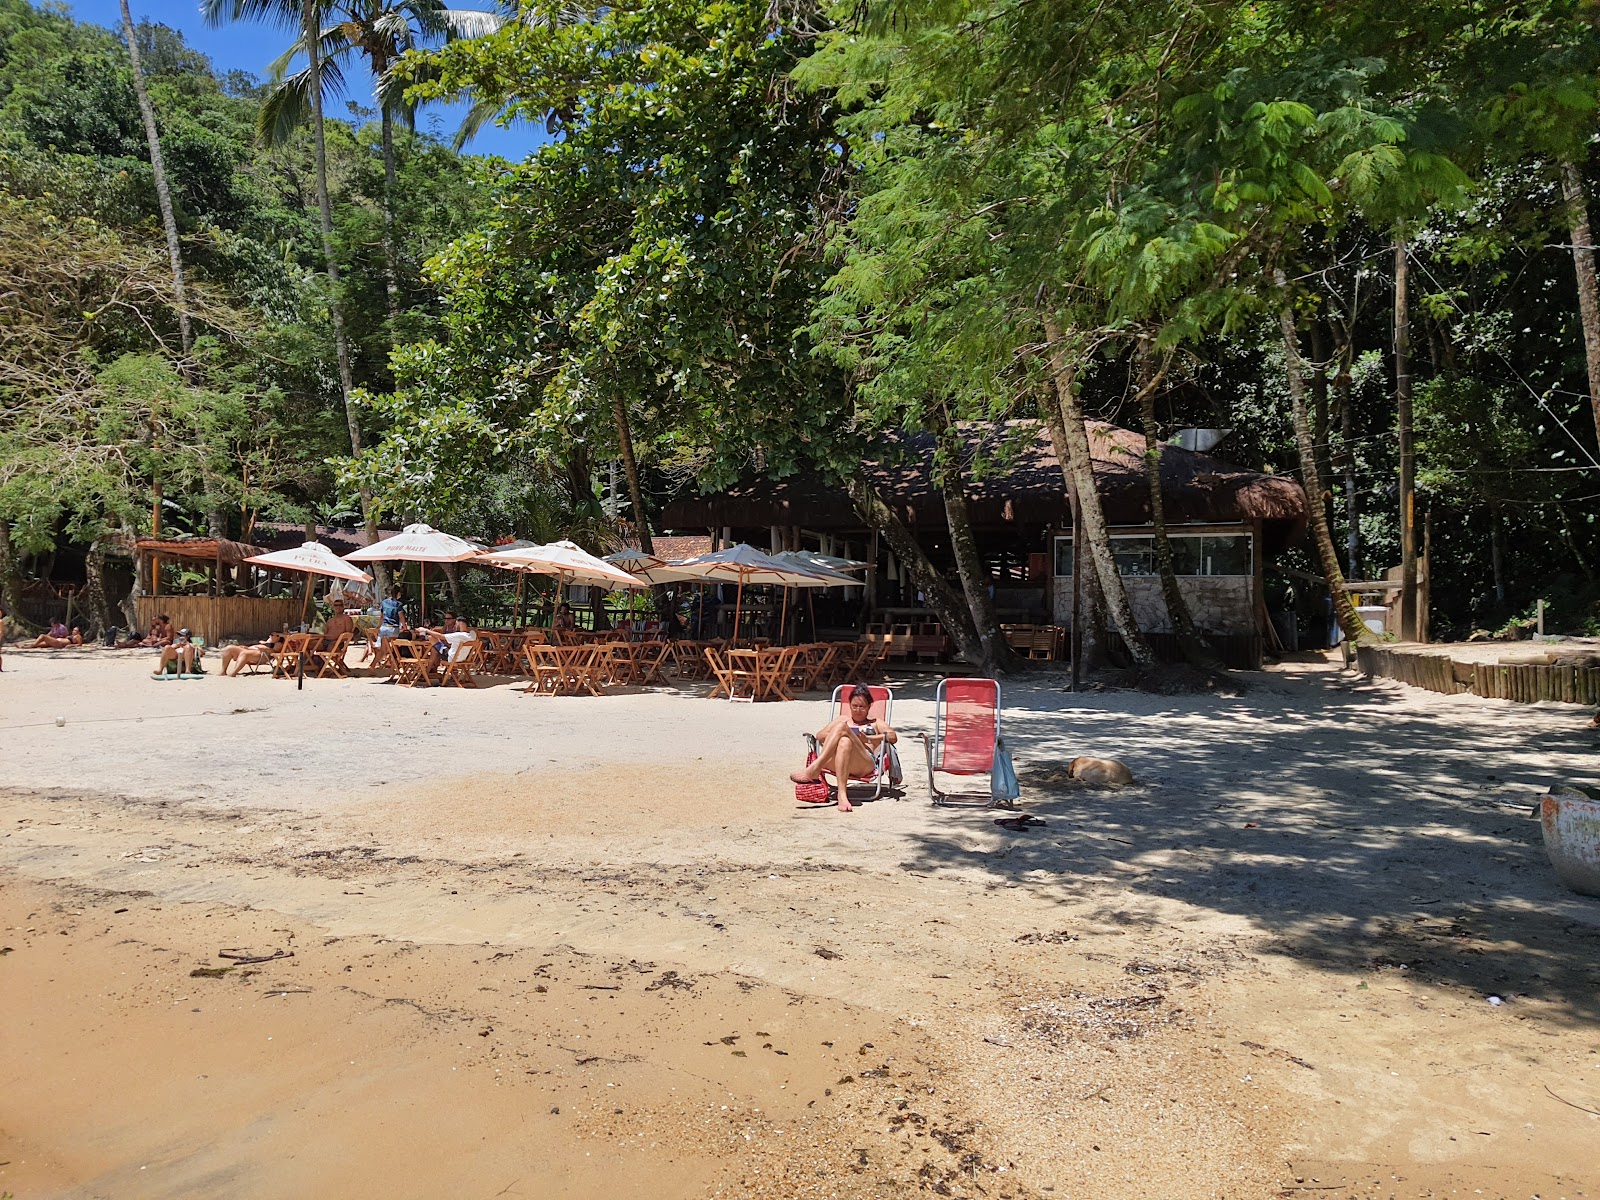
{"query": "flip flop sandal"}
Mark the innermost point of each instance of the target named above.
(1028, 821)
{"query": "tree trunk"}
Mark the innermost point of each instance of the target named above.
(391, 255)
(941, 597)
(10, 580)
(1344, 608)
(1194, 648)
(951, 479)
(630, 467)
(1341, 385)
(1583, 266)
(95, 602)
(158, 170)
(1408, 452)
(1070, 434)
(1497, 560)
(311, 31)
(1320, 429)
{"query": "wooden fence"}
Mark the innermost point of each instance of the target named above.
(1526, 683)
(221, 618)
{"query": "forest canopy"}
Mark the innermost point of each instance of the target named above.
(759, 235)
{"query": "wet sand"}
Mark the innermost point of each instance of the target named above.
(587, 947)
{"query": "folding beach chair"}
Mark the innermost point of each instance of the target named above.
(966, 736)
(460, 669)
(887, 773)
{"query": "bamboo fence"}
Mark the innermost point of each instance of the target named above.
(1524, 683)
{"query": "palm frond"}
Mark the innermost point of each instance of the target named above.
(288, 103)
(283, 13)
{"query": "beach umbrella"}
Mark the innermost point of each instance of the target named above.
(421, 544)
(647, 568)
(312, 558)
(567, 561)
(745, 564)
(830, 572)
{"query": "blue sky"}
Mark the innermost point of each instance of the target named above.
(250, 47)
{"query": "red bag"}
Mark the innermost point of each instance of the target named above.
(815, 792)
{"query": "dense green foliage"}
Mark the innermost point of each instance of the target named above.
(760, 232)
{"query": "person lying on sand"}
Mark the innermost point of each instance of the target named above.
(59, 638)
(240, 657)
(851, 744)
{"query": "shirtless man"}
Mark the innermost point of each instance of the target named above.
(851, 744)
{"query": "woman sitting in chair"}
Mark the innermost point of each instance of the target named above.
(852, 744)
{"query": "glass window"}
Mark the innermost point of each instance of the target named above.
(1192, 554)
(1064, 557)
(1227, 554)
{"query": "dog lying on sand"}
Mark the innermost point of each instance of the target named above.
(1100, 772)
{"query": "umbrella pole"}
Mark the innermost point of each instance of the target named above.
(811, 610)
(516, 616)
(783, 615)
(738, 603)
(422, 586)
(305, 601)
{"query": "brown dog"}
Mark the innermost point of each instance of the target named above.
(1100, 772)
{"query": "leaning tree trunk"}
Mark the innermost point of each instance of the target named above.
(1352, 516)
(1194, 648)
(1070, 434)
(1497, 562)
(311, 32)
(942, 598)
(1583, 267)
(158, 171)
(1343, 607)
(951, 479)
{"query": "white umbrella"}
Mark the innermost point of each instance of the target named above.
(748, 565)
(311, 558)
(567, 560)
(647, 568)
(831, 572)
(420, 544)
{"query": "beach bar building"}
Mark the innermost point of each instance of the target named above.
(1225, 523)
(202, 584)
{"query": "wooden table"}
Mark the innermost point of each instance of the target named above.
(764, 672)
(564, 670)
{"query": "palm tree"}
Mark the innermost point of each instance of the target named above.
(305, 15)
(159, 170)
(380, 31)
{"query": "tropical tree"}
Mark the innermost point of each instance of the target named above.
(305, 15)
(379, 32)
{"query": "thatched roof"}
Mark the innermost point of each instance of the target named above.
(1017, 478)
(208, 549)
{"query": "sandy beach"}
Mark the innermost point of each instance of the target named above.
(355, 940)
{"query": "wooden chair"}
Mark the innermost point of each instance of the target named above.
(460, 669)
(412, 662)
(286, 658)
(330, 662)
(650, 662)
(545, 669)
(721, 674)
(743, 668)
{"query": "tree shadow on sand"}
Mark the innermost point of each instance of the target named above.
(1358, 826)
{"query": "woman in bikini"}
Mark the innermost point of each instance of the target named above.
(851, 744)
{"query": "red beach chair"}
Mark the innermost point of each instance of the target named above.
(882, 710)
(966, 734)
